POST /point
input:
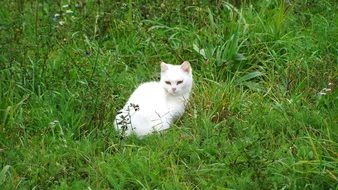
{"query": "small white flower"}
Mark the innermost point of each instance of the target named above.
(330, 83)
(65, 6)
(321, 93)
(61, 22)
(57, 15)
(69, 11)
(52, 124)
(327, 89)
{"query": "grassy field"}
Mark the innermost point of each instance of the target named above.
(263, 113)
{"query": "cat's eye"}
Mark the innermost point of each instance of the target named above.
(168, 82)
(180, 82)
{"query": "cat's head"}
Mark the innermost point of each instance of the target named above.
(176, 79)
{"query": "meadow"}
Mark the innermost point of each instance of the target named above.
(263, 113)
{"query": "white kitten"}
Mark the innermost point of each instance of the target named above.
(153, 106)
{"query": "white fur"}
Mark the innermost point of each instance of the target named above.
(158, 105)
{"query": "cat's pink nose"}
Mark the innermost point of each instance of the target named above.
(174, 89)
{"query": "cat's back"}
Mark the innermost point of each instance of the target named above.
(147, 93)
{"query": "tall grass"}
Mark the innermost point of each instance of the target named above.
(263, 113)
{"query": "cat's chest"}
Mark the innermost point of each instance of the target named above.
(175, 106)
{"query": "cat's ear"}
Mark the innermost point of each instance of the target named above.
(185, 66)
(164, 67)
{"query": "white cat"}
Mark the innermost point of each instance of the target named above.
(153, 106)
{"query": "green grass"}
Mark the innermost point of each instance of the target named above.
(256, 119)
